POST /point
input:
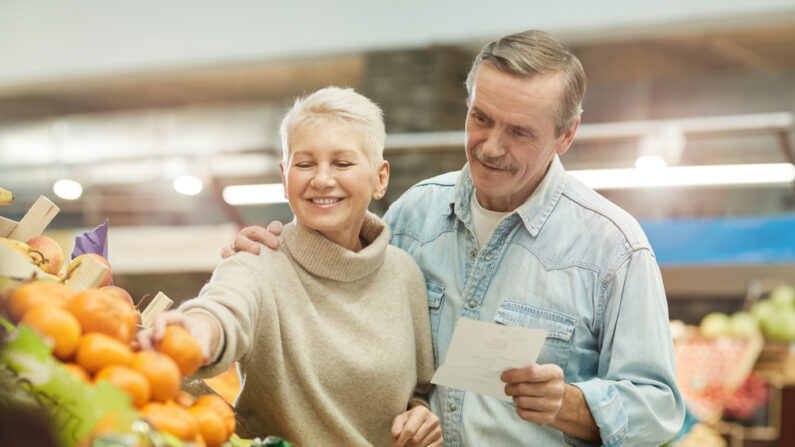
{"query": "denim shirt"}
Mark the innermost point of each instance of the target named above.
(568, 261)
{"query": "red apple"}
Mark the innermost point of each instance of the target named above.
(118, 292)
(51, 253)
(75, 264)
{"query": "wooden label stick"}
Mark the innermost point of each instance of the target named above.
(160, 303)
(88, 275)
(35, 220)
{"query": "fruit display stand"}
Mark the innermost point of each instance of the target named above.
(67, 354)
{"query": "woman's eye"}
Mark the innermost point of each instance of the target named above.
(344, 164)
(303, 165)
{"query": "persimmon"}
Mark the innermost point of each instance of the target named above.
(38, 292)
(128, 380)
(211, 425)
(100, 311)
(57, 324)
(219, 405)
(97, 350)
(180, 345)
(78, 371)
(161, 372)
(171, 418)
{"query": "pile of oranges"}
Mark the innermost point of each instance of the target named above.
(92, 333)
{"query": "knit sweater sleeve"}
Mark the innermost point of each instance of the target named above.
(422, 331)
(234, 298)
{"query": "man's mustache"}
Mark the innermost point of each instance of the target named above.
(498, 163)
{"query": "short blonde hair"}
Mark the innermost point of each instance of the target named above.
(343, 104)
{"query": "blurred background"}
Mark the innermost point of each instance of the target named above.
(151, 113)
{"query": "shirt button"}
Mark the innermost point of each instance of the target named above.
(487, 257)
(452, 407)
(472, 254)
(472, 304)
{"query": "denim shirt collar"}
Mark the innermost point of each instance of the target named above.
(533, 212)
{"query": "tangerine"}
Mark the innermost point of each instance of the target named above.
(57, 324)
(97, 350)
(211, 425)
(78, 372)
(128, 380)
(219, 405)
(171, 418)
(180, 345)
(100, 311)
(161, 372)
(38, 292)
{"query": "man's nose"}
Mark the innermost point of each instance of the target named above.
(492, 146)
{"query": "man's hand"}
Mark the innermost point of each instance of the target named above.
(543, 398)
(203, 328)
(537, 392)
(417, 427)
(248, 237)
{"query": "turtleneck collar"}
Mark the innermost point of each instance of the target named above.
(322, 257)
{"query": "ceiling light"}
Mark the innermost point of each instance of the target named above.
(677, 176)
(187, 185)
(67, 189)
(650, 163)
(254, 194)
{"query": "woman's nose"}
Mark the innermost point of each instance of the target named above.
(323, 178)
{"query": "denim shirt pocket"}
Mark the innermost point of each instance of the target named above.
(559, 327)
(435, 299)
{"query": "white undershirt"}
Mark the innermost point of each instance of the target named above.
(483, 220)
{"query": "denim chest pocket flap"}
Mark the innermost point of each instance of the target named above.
(559, 327)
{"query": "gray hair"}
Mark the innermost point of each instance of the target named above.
(343, 104)
(532, 52)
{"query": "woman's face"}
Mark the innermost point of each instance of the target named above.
(329, 179)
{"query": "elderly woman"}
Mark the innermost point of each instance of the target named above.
(331, 330)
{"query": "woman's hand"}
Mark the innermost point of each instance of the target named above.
(203, 328)
(417, 427)
(248, 237)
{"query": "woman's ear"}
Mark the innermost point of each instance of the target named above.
(382, 180)
(284, 179)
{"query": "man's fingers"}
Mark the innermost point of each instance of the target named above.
(275, 227)
(243, 242)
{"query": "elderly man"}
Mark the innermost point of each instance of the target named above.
(513, 239)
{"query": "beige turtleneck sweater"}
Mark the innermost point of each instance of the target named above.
(332, 344)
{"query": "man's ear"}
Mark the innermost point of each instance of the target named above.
(565, 140)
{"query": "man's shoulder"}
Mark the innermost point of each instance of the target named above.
(603, 216)
(435, 192)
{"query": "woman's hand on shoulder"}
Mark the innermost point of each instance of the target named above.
(417, 427)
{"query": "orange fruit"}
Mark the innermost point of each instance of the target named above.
(38, 292)
(128, 380)
(97, 350)
(57, 324)
(161, 372)
(211, 425)
(219, 405)
(184, 399)
(78, 372)
(101, 311)
(180, 345)
(171, 418)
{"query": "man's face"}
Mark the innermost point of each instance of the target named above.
(510, 134)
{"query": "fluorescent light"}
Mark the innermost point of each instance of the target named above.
(187, 185)
(67, 189)
(740, 174)
(650, 163)
(254, 194)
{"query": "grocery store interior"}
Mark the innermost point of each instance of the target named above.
(162, 118)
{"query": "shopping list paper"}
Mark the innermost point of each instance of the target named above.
(479, 352)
